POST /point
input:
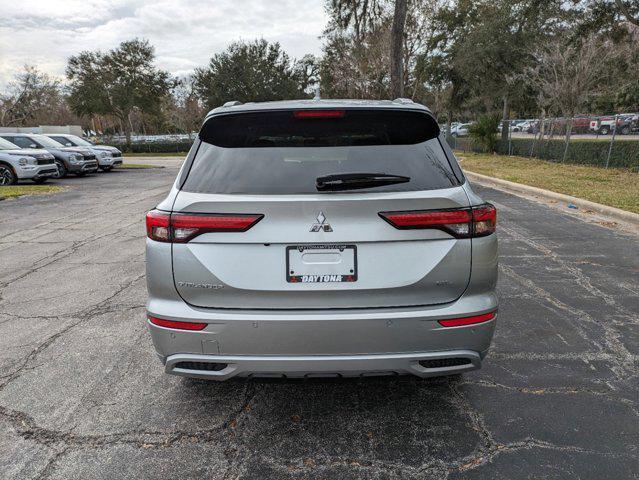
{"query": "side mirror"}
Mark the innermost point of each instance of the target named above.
(33, 145)
(69, 144)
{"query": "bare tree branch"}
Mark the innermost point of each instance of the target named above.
(626, 12)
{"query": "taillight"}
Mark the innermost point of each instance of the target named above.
(484, 220)
(302, 114)
(157, 226)
(186, 226)
(161, 322)
(182, 227)
(463, 321)
(460, 223)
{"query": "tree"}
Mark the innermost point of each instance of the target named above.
(356, 69)
(567, 75)
(307, 71)
(630, 10)
(184, 111)
(33, 98)
(397, 44)
(357, 16)
(256, 71)
(484, 132)
(498, 45)
(357, 58)
(118, 83)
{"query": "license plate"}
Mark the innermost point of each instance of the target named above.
(323, 263)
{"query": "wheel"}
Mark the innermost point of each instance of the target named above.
(7, 177)
(106, 169)
(62, 170)
(625, 130)
(40, 181)
(604, 130)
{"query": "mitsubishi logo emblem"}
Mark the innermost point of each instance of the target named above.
(321, 224)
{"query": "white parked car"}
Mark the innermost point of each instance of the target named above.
(525, 127)
(460, 130)
(25, 164)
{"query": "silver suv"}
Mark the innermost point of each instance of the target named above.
(321, 238)
(77, 160)
(108, 157)
(23, 164)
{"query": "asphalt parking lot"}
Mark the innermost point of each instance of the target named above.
(83, 396)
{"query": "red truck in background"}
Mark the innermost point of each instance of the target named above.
(626, 124)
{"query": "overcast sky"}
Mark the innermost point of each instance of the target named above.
(185, 33)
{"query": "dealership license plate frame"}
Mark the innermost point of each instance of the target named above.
(320, 277)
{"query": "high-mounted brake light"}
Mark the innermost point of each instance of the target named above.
(461, 322)
(301, 114)
(460, 223)
(182, 227)
(161, 322)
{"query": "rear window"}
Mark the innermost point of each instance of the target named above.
(284, 152)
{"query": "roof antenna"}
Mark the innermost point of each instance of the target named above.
(317, 92)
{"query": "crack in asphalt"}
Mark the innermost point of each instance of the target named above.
(83, 316)
(624, 366)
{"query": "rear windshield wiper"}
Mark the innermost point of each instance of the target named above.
(352, 181)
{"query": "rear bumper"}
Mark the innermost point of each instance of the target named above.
(327, 343)
(323, 366)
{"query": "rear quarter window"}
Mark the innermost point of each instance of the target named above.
(279, 153)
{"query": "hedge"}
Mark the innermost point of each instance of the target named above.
(155, 147)
(625, 153)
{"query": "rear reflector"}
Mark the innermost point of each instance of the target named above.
(460, 322)
(460, 223)
(182, 227)
(160, 322)
(301, 114)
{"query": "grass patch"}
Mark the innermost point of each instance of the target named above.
(138, 166)
(151, 154)
(616, 187)
(20, 190)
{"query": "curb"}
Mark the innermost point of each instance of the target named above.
(518, 188)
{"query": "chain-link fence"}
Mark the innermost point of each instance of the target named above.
(610, 141)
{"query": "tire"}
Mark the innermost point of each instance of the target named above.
(62, 170)
(7, 175)
(106, 169)
(40, 181)
(625, 131)
(604, 130)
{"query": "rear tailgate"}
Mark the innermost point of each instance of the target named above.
(394, 267)
(319, 250)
